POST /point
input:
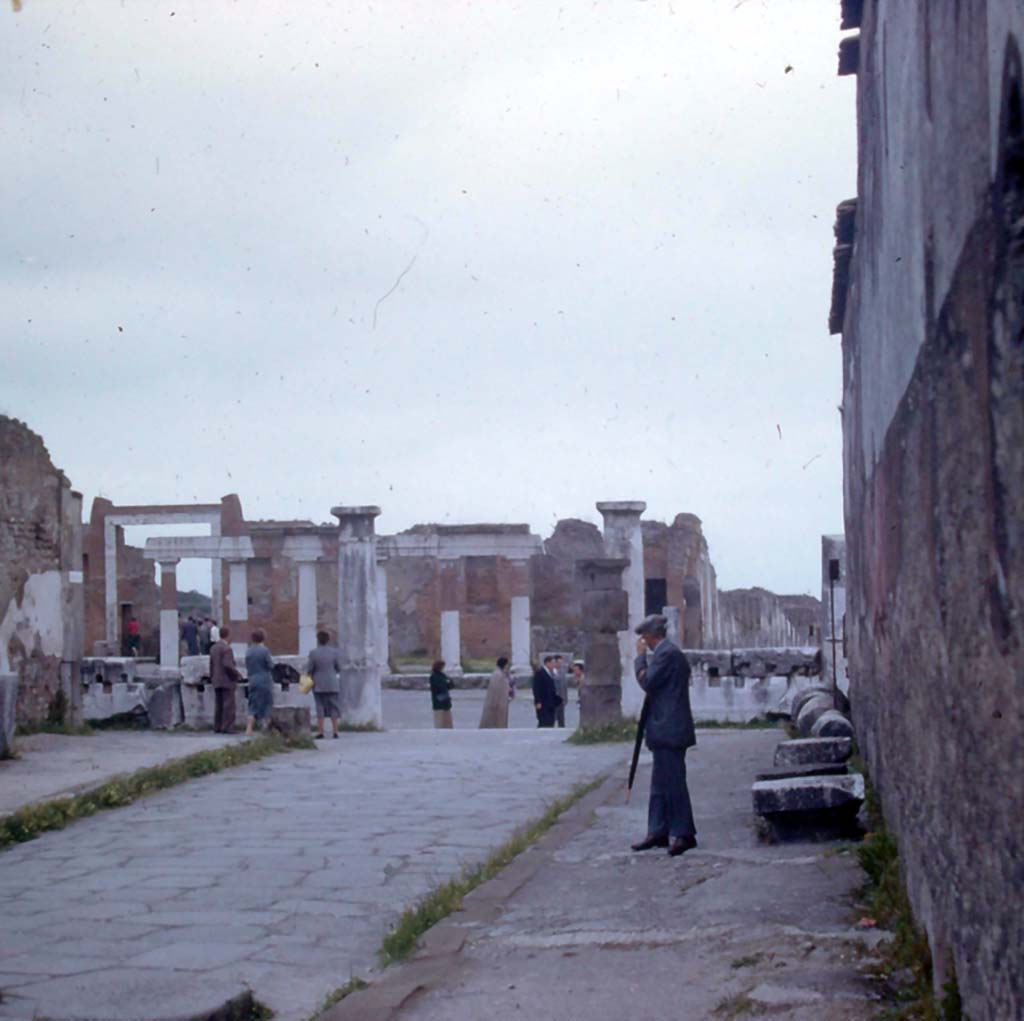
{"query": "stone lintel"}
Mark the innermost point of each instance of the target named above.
(303, 547)
(203, 547)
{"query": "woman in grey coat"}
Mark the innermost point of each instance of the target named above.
(324, 668)
(259, 666)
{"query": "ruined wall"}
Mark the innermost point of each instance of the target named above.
(40, 573)
(933, 424)
(752, 617)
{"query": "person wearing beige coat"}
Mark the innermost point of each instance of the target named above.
(500, 692)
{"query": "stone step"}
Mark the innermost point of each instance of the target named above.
(811, 769)
(813, 749)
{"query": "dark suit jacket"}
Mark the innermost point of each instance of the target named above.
(223, 671)
(544, 690)
(665, 675)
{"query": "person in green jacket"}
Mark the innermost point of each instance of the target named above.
(440, 696)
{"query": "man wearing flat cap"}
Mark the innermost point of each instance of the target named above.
(664, 673)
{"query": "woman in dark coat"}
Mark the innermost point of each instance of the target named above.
(440, 696)
(259, 666)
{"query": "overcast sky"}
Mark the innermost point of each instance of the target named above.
(485, 261)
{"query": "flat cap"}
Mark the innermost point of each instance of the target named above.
(653, 624)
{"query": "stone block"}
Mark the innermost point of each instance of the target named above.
(832, 724)
(164, 706)
(8, 701)
(811, 769)
(291, 721)
(813, 708)
(600, 704)
(813, 749)
(604, 662)
(810, 808)
(605, 610)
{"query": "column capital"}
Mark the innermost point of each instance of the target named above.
(356, 522)
(169, 563)
(623, 508)
(303, 548)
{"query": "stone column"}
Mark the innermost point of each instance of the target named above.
(357, 614)
(605, 607)
(305, 550)
(623, 539)
(169, 634)
(238, 592)
(383, 637)
(674, 617)
(520, 617)
(451, 633)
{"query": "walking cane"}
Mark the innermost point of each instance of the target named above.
(641, 725)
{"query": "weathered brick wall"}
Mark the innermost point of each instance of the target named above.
(933, 421)
(38, 548)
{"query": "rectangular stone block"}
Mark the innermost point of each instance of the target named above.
(603, 662)
(605, 610)
(807, 794)
(600, 703)
(813, 749)
(8, 701)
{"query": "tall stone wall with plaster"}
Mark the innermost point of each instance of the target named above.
(752, 617)
(40, 574)
(932, 316)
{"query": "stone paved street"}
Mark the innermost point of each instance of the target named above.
(587, 929)
(282, 875)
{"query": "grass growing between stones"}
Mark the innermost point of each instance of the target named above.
(353, 985)
(447, 898)
(606, 733)
(905, 961)
(29, 822)
(735, 1006)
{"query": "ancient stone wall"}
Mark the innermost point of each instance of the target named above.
(752, 617)
(40, 574)
(933, 422)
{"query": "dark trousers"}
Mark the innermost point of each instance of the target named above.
(546, 716)
(560, 714)
(224, 710)
(669, 813)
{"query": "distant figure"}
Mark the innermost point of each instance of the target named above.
(440, 696)
(259, 666)
(545, 697)
(561, 690)
(190, 633)
(499, 693)
(579, 672)
(224, 676)
(204, 636)
(134, 637)
(664, 673)
(323, 666)
(214, 632)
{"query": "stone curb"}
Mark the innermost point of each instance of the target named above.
(430, 967)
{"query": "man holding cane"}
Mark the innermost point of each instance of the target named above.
(664, 673)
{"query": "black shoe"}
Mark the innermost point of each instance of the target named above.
(648, 842)
(680, 845)
(318, 737)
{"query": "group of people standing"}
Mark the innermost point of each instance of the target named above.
(550, 693)
(322, 665)
(199, 634)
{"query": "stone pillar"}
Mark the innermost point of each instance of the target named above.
(383, 638)
(169, 634)
(451, 601)
(520, 617)
(305, 550)
(357, 614)
(238, 592)
(605, 607)
(674, 618)
(623, 539)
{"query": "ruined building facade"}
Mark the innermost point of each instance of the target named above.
(41, 605)
(929, 297)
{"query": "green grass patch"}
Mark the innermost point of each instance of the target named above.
(353, 985)
(447, 898)
(606, 733)
(359, 728)
(747, 961)
(29, 822)
(905, 961)
(46, 727)
(758, 723)
(740, 1005)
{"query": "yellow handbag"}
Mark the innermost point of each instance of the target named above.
(305, 684)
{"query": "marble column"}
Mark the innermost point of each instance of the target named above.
(604, 608)
(383, 637)
(520, 617)
(169, 633)
(674, 617)
(623, 539)
(238, 593)
(357, 614)
(451, 601)
(305, 550)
